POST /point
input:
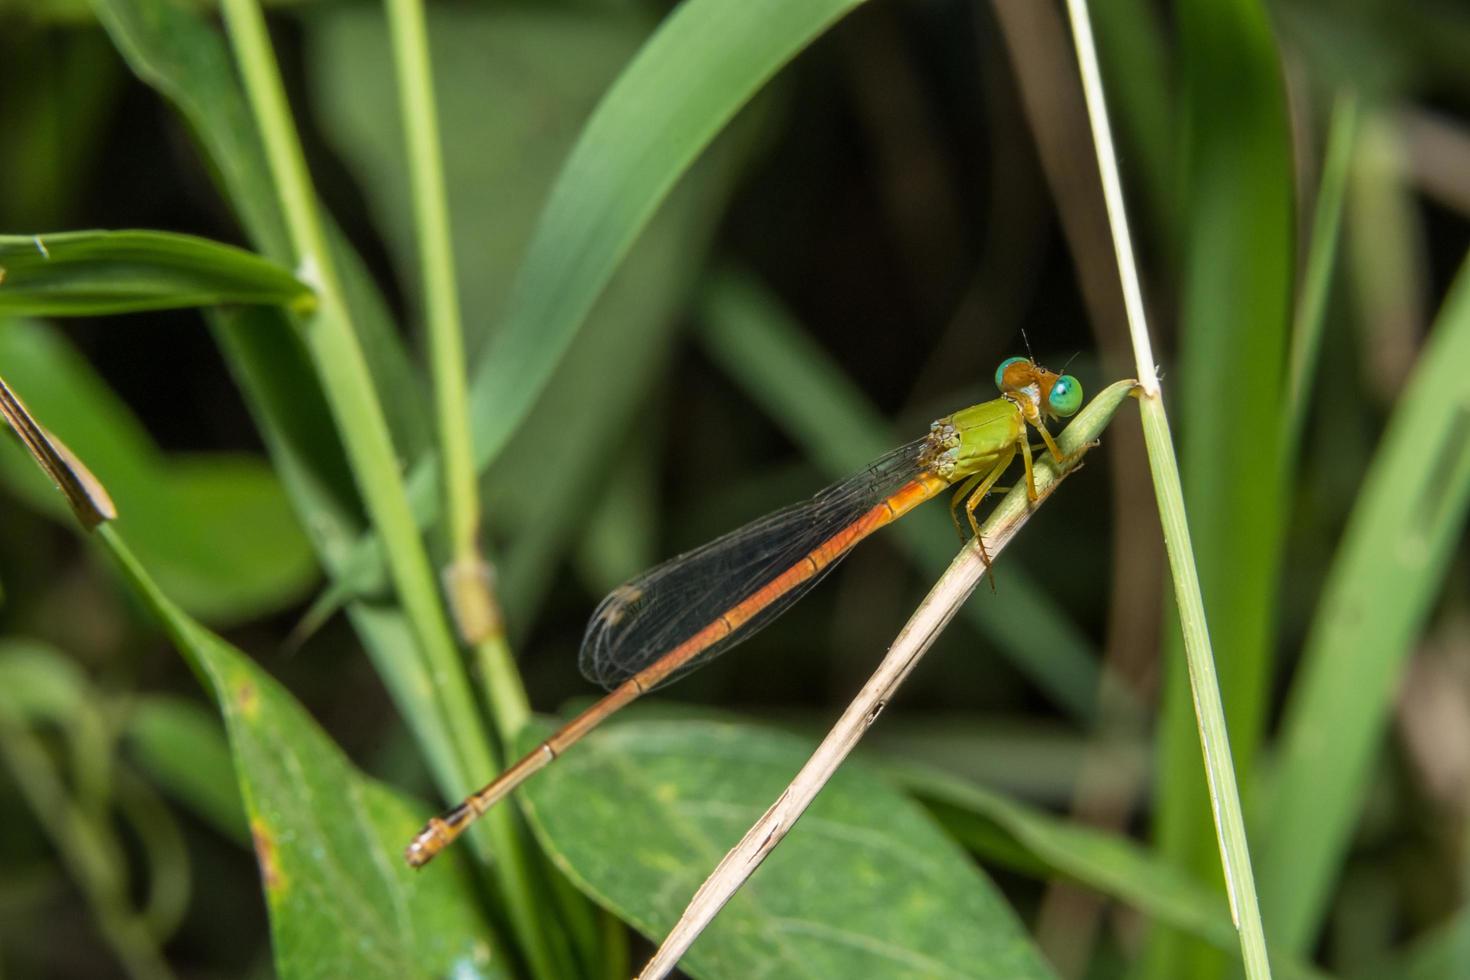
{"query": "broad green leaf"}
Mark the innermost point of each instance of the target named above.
(1238, 260)
(95, 273)
(866, 884)
(217, 529)
(1390, 568)
(328, 840)
(182, 748)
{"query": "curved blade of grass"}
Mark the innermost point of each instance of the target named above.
(758, 343)
(1238, 266)
(95, 273)
(1405, 526)
(866, 886)
(1204, 688)
(707, 59)
(1311, 309)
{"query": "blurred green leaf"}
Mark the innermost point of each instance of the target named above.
(48, 11)
(40, 684)
(1238, 263)
(216, 529)
(95, 273)
(60, 97)
(1405, 525)
(865, 885)
(1111, 864)
(327, 839)
(182, 748)
(1039, 843)
(614, 364)
(1441, 954)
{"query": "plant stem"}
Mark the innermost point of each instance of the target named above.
(466, 582)
(1204, 685)
(343, 370)
(1311, 308)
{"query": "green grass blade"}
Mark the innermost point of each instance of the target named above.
(1203, 683)
(1311, 308)
(466, 576)
(705, 62)
(640, 141)
(346, 380)
(1404, 528)
(762, 348)
(1238, 267)
(95, 273)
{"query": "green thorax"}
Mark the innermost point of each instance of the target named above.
(974, 438)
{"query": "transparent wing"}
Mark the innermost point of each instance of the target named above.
(648, 616)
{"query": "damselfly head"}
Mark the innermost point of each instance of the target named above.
(1058, 395)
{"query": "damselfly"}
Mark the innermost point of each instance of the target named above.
(683, 613)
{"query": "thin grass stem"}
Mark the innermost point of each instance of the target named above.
(346, 381)
(1204, 684)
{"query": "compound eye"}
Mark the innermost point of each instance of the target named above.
(1066, 396)
(1000, 372)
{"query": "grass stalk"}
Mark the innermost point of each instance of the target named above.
(1311, 308)
(343, 370)
(467, 581)
(1204, 684)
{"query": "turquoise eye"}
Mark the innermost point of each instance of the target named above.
(1000, 372)
(1066, 396)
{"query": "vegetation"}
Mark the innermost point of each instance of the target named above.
(424, 329)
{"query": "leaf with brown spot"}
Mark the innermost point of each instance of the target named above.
(327, 838)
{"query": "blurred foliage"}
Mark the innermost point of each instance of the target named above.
(711, 257)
